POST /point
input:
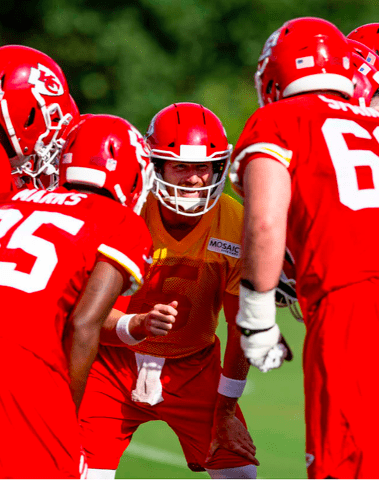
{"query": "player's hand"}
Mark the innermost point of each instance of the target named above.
(230, 434)
(160, 320)
(265, 350)
(277, 355)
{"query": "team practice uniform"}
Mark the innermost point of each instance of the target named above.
(331, 150)
(173, 378)
(50, 242)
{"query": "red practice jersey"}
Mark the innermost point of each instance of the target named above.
(50, 242)
(196, 272)
(331, 150)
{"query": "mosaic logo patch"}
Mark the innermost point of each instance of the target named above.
(224, 247)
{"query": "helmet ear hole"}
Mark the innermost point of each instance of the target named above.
(111, 149)
(31, 117)
(269, 87)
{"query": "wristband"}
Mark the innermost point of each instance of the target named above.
(230, 387)
(257, 310)
(247, 331)
(122, 330)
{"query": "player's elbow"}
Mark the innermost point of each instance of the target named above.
(266, 225)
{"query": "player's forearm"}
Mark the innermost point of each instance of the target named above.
(235, 364)
(108, 335)
(267, 190)
(263, 253)
(84, 347)
(225, 407)
(234, 374)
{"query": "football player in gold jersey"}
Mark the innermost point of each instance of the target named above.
(170, 366)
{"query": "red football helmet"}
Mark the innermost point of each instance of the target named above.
(188, 132)
(366, 80)
(369, 55)
(107, 152)
(43, 172)
(368, 35)
(306, 54)
(35, 108)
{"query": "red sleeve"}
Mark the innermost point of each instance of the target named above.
(261, 137)
(231, 305)
(122, 303)
(129, 248)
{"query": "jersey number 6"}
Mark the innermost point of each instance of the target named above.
(347, 161)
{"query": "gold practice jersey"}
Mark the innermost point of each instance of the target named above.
(196, 272)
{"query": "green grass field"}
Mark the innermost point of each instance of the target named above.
(273, 406)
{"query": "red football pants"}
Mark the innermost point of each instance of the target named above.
(109, 417)
(341, 386)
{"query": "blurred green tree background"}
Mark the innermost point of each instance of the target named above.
(132, 58)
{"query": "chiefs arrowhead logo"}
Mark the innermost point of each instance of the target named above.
(45, 81)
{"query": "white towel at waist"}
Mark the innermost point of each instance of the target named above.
(149, 386)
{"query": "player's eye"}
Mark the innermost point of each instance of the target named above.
(180, 166)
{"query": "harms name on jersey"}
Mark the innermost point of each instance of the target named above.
(224, 247)
(53, 198)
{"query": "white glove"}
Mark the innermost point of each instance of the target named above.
(274, 358)
(265, 349)
(262, 349)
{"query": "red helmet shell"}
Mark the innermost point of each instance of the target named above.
(107, 152)
(366, 80)
(369, 55)
(35, 102)
(368, 35)
(186, 124)
(188, 132)
(306, 54)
